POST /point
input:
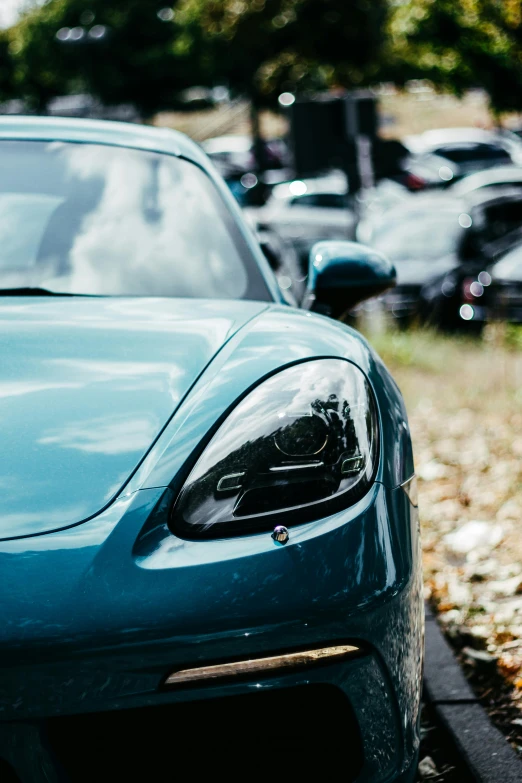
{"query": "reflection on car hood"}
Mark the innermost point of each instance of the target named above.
(422, 272)
(86, 385)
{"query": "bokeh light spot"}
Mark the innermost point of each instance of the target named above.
(297, 188)
(466, 312)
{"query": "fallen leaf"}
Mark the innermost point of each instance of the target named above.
(427, 768)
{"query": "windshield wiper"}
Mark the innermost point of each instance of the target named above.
(28, 291)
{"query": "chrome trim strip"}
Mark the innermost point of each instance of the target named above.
(257, 665)
(410, 487)
(223, 479)
(304, 466)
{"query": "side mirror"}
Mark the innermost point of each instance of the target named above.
(342, 274)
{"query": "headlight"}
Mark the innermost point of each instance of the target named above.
(300, 446)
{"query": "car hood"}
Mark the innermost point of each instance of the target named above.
(419, 273)
(86, 386)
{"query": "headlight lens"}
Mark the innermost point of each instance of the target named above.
(300, 446)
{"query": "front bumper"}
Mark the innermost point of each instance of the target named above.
(98, 616)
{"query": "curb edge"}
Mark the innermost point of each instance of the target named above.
(484, 749)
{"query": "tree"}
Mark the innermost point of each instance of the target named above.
(118, 50)
(144, 52)
(262, 47)
(460, 44)
(39, 70)
(7, 68)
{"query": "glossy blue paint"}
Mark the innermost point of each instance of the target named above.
(100, 132)
(96, 614)
(110, 610)
(86, 386)
(342, 274)
(277, 337)
(348, 265)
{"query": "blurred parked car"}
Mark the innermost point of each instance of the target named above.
(234, 157)
(389, 194)
(437, 158)
(497, 292)
(198, 97)
(238, 151)
(78, 105)
(485, 289)
(471, 149)
(304, 212)
(489, 178)
(434, 240)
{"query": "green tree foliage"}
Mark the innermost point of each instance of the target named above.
(262, 47)
(136, 59)
(153, 49)
(460, 44)
(39, 69)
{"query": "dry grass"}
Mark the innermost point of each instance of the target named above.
(464, 399)
(235, 119)
(403, 113)
(416, 112)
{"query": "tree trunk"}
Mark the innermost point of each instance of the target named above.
(258, 145)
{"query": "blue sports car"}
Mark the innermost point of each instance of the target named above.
(209, 547)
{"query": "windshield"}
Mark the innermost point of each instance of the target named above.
(419, 237)
(94, 219)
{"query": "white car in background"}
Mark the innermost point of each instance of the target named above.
(388, 194)
(494, 177)
(304, 212)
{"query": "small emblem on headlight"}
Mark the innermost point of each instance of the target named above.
(281, 534)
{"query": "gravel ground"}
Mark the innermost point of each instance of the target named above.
(464, 400)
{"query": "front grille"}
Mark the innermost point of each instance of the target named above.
(301, 731)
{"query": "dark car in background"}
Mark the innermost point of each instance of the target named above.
(422, 238)
(249, 179)
(493, 293)
(436, 242)
(438, 158)
(456, 299)
(441, 159)
(447, 154)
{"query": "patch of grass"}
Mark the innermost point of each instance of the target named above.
(513, 337)
(422, 349)
(455, 372)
